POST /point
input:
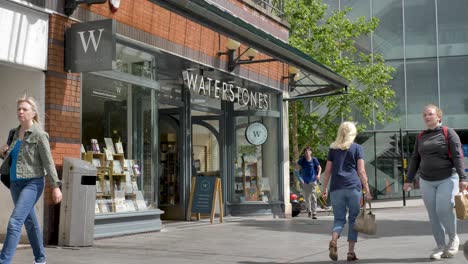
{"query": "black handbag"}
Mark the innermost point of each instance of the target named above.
(5, 178)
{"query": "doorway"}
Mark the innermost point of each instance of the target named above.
(170, 163)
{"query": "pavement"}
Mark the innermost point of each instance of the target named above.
(403, 236)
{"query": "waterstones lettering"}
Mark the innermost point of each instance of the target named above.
(225, 91)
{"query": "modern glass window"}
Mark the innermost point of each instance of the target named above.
(360, 8)
(117, 133)
(453, 91)
(135, 62)
(256, 168)
(420, 28)
(388, 37)
(453, 27)
(421, 89)
(398, 85)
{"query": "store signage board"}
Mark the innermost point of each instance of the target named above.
(90, 46)
(205, 191)
(205, 86)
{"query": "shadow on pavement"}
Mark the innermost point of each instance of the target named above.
(376, 260)
(385, 228)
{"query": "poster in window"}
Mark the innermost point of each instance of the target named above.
(119, 148)
(109, 145)
(95, 146)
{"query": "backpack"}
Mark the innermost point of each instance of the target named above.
(445, 132)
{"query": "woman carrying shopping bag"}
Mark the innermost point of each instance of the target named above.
(346, 172)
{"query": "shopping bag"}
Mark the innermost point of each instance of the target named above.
(461, 205)
(365, 221)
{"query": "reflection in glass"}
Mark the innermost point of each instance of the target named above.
(453, 92)
(420, 28)
(398, 85)
(421, 89)
(256, 167)
(105, 115)
(360, 8)
(134, 62)
(388, 37)
(453, 27)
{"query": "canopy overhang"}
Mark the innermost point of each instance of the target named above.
(318, 81)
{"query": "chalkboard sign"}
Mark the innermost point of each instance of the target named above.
(205, 191)
(203, 195)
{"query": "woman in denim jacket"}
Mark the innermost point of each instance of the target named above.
(31, 159)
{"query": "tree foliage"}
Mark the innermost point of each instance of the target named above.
(331, 40)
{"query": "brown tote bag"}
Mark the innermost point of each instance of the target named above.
(365, 221)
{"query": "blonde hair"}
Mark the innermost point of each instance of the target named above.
(32, 102)
(437, 110)
(345, 137)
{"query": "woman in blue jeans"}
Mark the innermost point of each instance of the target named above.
(438, 159)
(26, 160)
(345, 165)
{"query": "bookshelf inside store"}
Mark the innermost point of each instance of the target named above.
(168, 193)
(117, 190)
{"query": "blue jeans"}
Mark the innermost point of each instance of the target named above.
(344, 200)
(439, 199)
(25, 194)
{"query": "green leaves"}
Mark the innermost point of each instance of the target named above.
(331, 41)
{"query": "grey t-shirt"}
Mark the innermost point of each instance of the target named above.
(431, 157)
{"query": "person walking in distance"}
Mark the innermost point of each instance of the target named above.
(438, 159)
(346, 172)
(28, 159)
(308, 171)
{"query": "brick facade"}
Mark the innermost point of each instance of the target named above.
(63, 90)
(62, 116)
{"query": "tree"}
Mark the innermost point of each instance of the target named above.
(331, 40)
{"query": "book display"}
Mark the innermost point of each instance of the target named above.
(249, 185)
(168, 194)
(117, 189)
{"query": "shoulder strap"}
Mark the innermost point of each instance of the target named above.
(445, 132)
(420, 134)
(10, 136)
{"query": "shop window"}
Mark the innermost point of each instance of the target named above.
(134, 62)
(117, 138)
(256, 170)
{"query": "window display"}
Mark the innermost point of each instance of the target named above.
(256, 166)
(117, 140)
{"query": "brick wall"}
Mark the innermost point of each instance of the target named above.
(151, 18)
(62, 116)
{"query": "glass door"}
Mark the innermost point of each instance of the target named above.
(170, 169)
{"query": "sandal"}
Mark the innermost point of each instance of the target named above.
(333, 250)
(351, 256)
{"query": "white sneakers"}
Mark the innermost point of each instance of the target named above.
(452, 247)
(448, 252)
(437, 253)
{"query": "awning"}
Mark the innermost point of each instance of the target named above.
(318, 80)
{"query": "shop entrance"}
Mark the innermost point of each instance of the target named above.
(170, 163)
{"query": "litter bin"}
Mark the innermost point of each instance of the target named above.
(76, 227)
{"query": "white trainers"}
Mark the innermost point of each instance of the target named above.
(437, 253)
(452, 247)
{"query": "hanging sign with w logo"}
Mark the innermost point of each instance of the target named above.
(90, 46)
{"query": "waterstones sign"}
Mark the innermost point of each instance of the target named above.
(90, 46)
(198, 84)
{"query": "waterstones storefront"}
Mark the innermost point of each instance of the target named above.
(153, 116)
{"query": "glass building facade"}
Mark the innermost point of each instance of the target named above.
(426, 41)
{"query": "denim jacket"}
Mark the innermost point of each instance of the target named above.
(34, 157)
